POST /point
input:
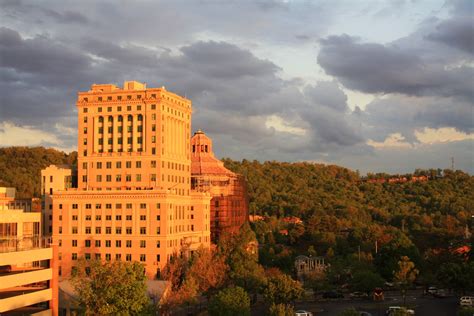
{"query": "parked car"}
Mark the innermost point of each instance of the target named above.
(392, 309)
(466, 301)
(303, 313)
(430, 290)
(358, 295)
(332, 294)
(440, 293)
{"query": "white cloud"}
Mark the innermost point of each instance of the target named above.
(395, 140)
(15, 135)
(281, 125)
(441, 135)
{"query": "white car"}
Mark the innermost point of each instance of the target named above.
(392, 310)
(303, 313)
(466, 301)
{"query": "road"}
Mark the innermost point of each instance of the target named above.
(423, 305)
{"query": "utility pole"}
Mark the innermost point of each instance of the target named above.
(452, 163)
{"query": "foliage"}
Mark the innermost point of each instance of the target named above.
(458, 276)
(111, 288)
(349, 312)
(406, 273)
(240, 253)
(466, 311)
(20, 167)
(366, 281)
(231, 301)
(281, 310)
(281, 288)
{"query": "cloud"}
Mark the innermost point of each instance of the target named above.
(456, 32)
(395, 140)
(441, 135)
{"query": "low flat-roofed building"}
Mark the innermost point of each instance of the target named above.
(28, 277)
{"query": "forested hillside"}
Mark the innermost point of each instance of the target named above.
(20, 167)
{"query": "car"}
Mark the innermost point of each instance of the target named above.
(431, 290)
(303, 313)
(361, 313)
(358, 295)
(440, 293)
(332, 294)
(392, 309)
(466, 301)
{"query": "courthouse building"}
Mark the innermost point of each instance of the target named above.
(133, 199)
(229, 204)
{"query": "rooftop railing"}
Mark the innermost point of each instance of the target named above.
(14, 244)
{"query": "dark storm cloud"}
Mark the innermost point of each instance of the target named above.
(327, 94)
(457, 32)
(376, 68)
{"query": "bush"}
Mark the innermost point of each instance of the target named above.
(231, 301)
(281, 310)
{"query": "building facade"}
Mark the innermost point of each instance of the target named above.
(229, 204)
(28, 282)
(133, 199)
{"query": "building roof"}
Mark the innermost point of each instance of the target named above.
(203, 161)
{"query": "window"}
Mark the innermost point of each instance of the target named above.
(108, 230)
(142, 243)
(99, 165)
(87, 256)
(88, 243)
(153, 177)
(138, 177)
(118, 217)
(128, 243)
(143, 217)
(85, 109)
(118, 230)
(128, 217)
(74, 256)
(118, 206)
(142, 230)
(158, 230)
(153, 116)
(128, 177)
(128, 257)
(118, 243)
(98, 206)
(108, 178)
(153, 106)
(84, 178)
(157, 217)
(74, 243)
(118, 256)
(98, 230)
(74, 217)
(108, 243)
(98, 178)
(108, 164)
(128, 230)
(88, 230)
(97, 243)
(153, 139)
(107, 256)
(85, 131)
(158, 205)
(97, 256)
(74, 230)
(74, 206)
(108, 217)
(143, 205)
(138, 164)
(157, 258)
(118, 178)
(157, 244)
(98, 217)
(128, 164)
(142, 257)
(108, 206)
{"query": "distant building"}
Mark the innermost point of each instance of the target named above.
(28, 274)
(229, 204)
(133, 199)
(305, 265)
(53, 178)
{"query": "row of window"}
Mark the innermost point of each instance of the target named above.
(119, 108)
(108, 257)
(109, 217)
(108, 243)
(138, 164)
(109, 206)
(108, 230)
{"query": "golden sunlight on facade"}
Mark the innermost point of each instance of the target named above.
(28, 274)
(133, 199)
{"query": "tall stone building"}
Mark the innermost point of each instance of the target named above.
(133, 200)
(229, 204)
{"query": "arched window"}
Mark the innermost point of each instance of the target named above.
(140, 117)
(129, 118)
(120, 118)
(111, 119)
(101, 119)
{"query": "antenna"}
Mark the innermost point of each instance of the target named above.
(452, 163)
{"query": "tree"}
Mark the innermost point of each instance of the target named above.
(281, 310)
(231, 301)
(282, 288)
(405, 275)
(366, 281)
(349, 312)
(111, 288)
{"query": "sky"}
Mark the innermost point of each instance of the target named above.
(375, 86)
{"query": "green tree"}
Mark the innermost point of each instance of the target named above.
(467, 311)
(281, 288)
(231, 301)
(366, 281)
(111, 288)
(281, 310)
